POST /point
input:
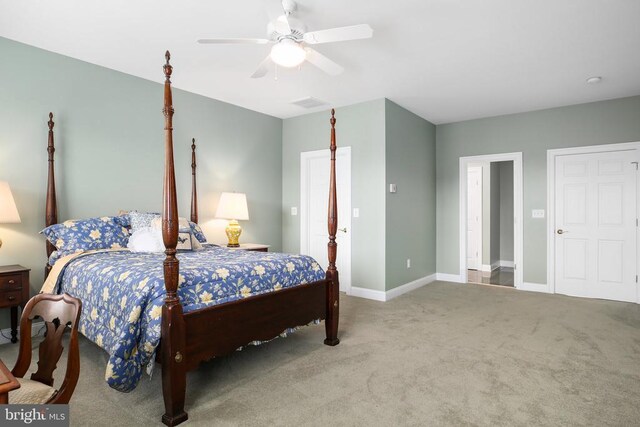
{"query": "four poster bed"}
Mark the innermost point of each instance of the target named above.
(190, 330)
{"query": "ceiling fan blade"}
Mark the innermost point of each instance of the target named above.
(233, 41)
(278, 16)
(353, 32)
(322, 62)
(263, 68)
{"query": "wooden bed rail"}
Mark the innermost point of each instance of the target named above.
(174, 379)
(51, 206)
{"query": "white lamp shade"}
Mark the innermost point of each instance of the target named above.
(233, 206)
(8, 209)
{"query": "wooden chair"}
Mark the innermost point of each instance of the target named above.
(58, 312)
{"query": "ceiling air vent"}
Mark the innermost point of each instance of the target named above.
(309, 102)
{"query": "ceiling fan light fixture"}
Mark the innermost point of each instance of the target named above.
(288, 53)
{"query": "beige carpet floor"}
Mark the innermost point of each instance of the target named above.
(445, 354)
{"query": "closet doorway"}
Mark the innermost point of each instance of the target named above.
(492, 206)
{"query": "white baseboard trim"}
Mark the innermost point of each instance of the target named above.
(5, 336)
(496, 265)
(534, 287)
(392, 293)
(444, 277)
(367, 293)
(408, 287)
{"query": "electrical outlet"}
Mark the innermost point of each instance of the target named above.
(408, 262)
(294, 211)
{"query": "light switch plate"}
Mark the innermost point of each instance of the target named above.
(537, 213)
(294, 211)
(356, 212)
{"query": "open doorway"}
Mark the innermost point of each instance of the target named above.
(490, 219)
(490, 202)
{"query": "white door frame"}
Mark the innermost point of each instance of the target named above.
(480, 214)
(516, 158)
(343, 252)
(551, 196)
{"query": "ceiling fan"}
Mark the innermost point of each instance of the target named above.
(291, 41)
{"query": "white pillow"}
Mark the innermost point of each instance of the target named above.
(146, 239)
(186, 240)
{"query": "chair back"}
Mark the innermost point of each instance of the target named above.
(58, 312)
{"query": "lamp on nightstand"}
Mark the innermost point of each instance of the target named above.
(233, 206)
(8, 211)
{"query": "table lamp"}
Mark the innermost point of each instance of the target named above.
(8, 211)
(233, 206)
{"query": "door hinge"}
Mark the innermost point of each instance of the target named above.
(636, 222)
(636, 278)
(635, 163)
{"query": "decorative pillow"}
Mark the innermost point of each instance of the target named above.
(141, 220)
(123, 219)
(55, 255)
(186, 240)
(146, 240)
(197, 232)
(87, 234)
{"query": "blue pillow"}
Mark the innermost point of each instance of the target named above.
(87, 234)
(55, 255)
(197, 231)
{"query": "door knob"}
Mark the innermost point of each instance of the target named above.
(344, 230)
(561, 231)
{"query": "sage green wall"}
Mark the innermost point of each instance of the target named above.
(531, 133)
(506, 211)
(109, 138)
(411, 212)
(360, 127)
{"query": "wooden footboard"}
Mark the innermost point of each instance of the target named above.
(222, 329)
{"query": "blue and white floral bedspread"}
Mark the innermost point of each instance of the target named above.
(122, 295)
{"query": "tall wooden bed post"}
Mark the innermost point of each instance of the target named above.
(51, 207)
(194, 191)
(333, 287)
(174, 376)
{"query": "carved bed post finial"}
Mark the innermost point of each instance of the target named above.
(333, 287)
(51, 205)
(168, 69)
(194, 191)
(173, 333)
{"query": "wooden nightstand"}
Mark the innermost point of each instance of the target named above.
(252, 247)
(14, 292)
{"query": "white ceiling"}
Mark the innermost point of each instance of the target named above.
(445, 60)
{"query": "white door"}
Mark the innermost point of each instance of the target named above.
(595, 225)
(474, 217)
(314, 205)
